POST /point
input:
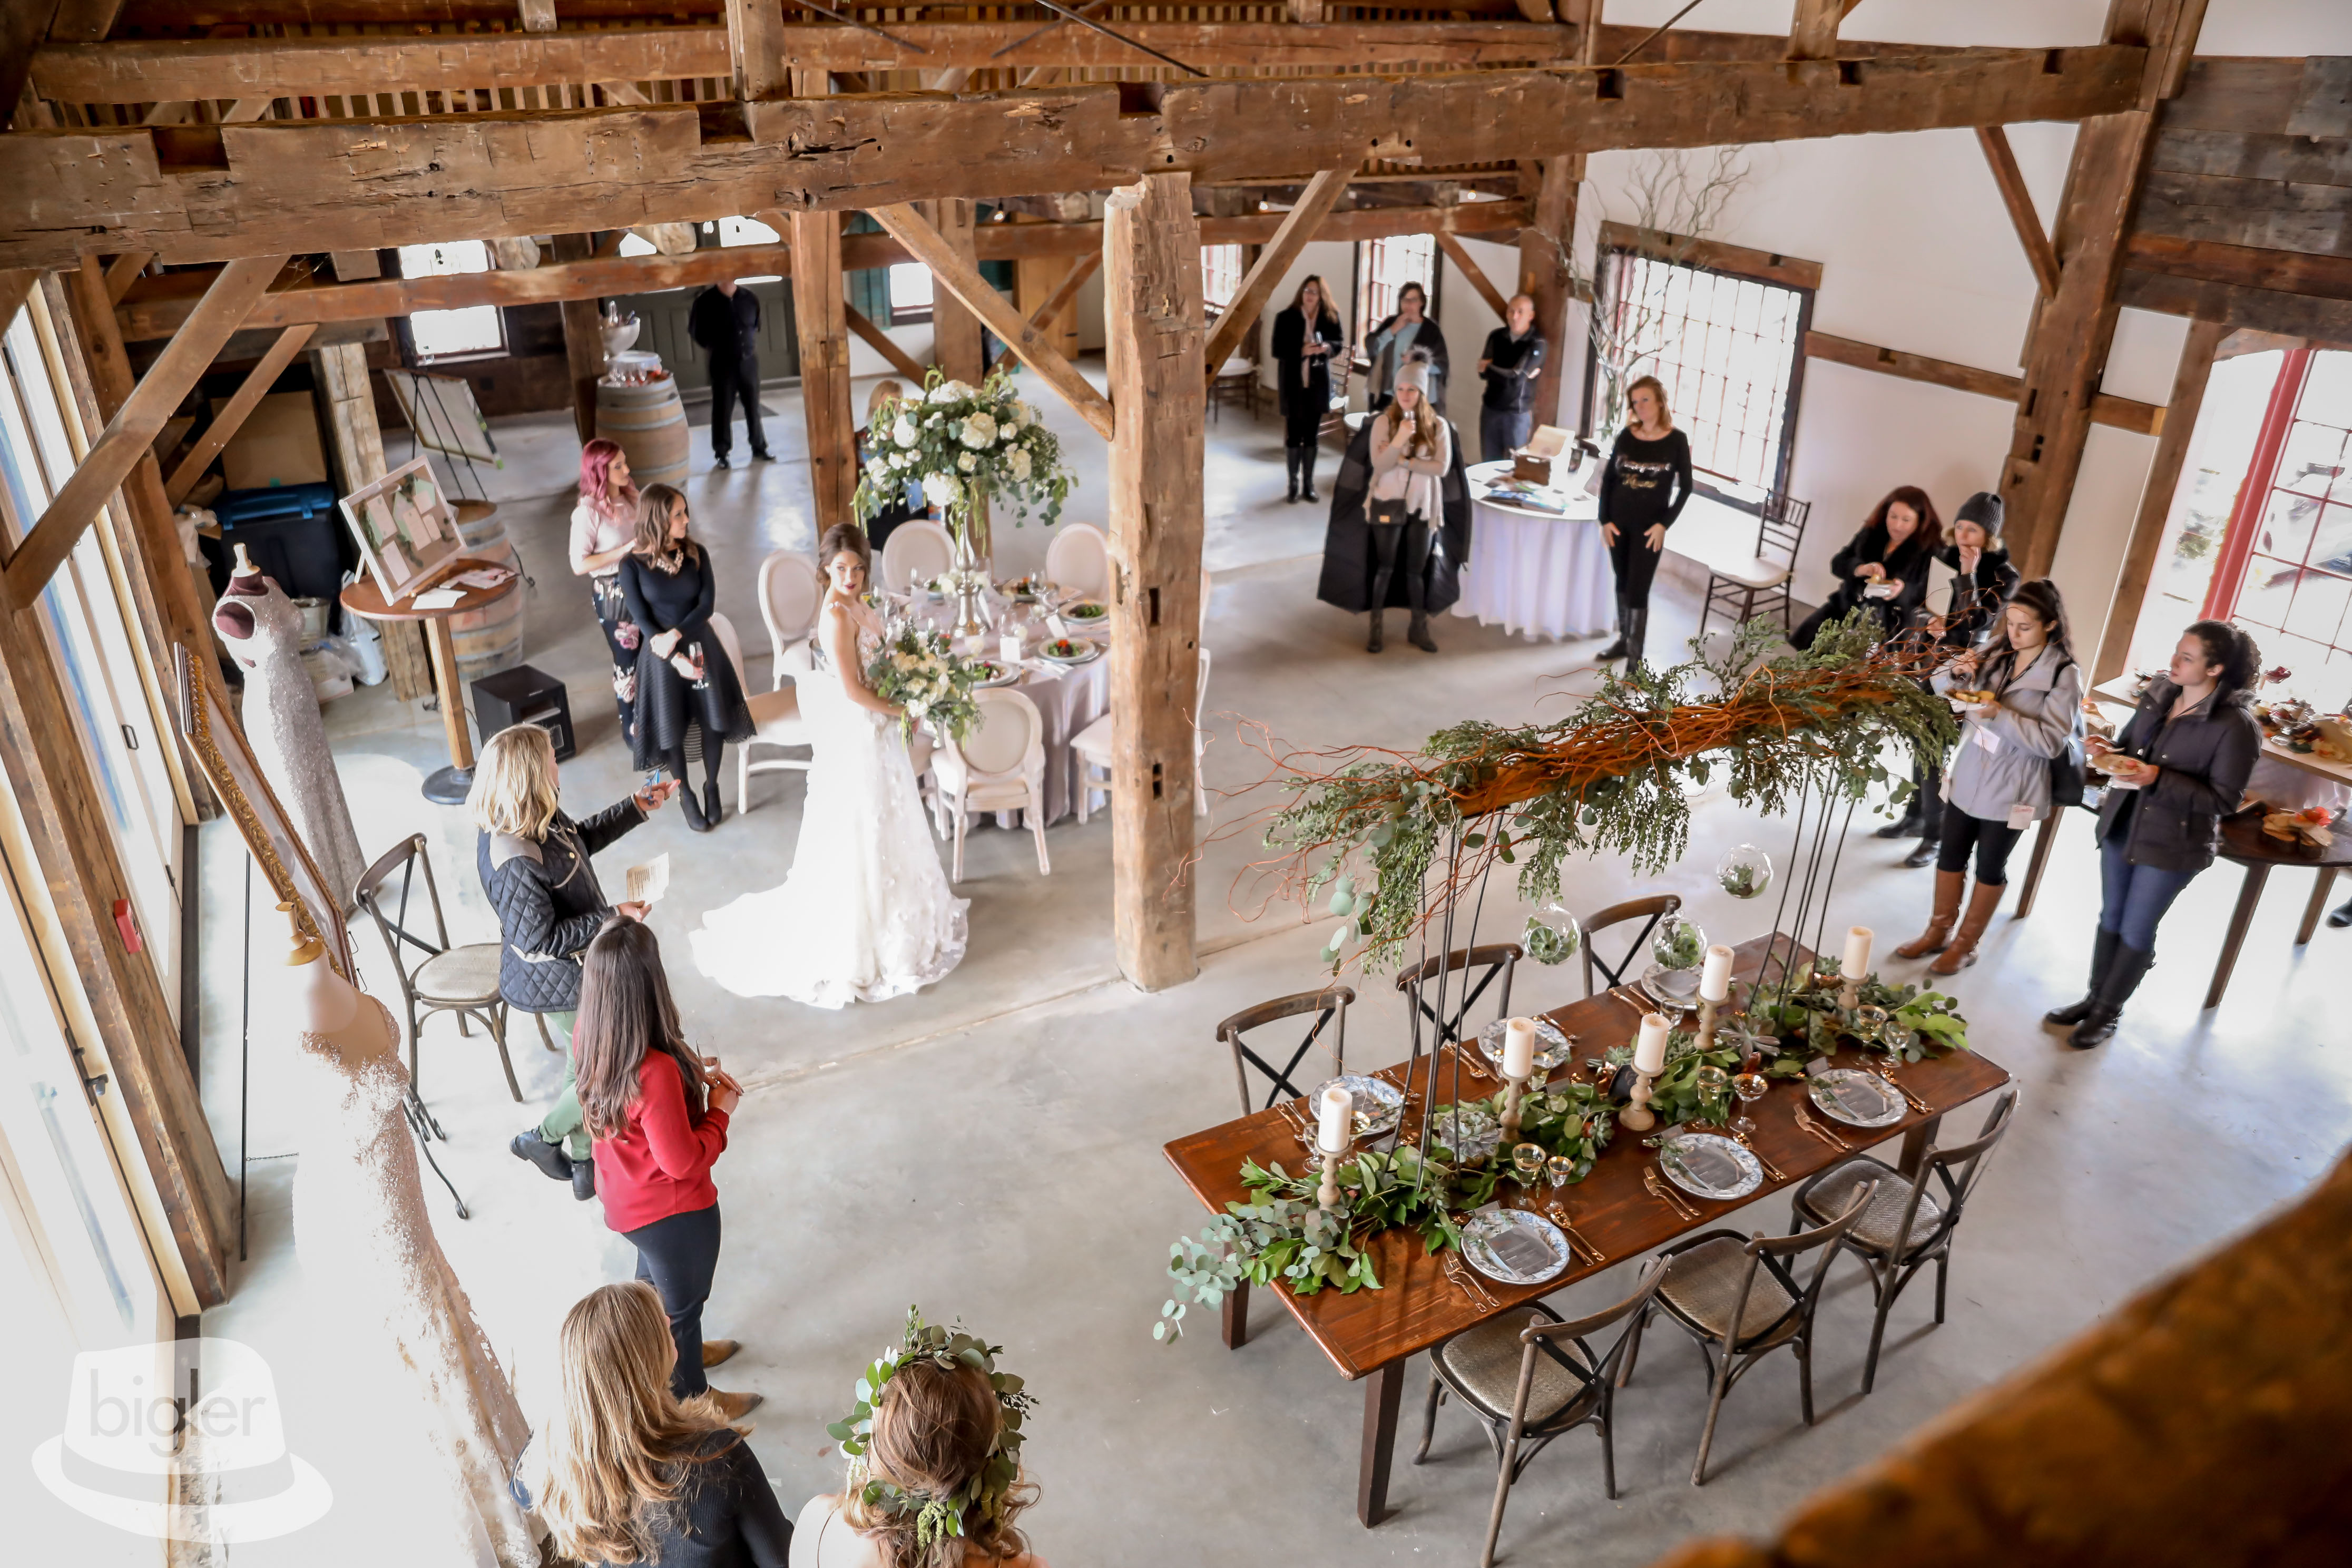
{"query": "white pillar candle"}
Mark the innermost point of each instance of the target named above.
(1519, 1047)
(1714, 978)
(1649, 1051)
(1334, 1120)
(1856, 964)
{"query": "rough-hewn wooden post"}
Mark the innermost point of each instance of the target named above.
(584, 340)
(955, 331)
(1152, 303)
(824, 329)
(342, 370)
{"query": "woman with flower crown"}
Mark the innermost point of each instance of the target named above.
(935, 1476)
(867, 913)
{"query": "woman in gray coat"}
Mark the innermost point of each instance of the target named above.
(1999, 783)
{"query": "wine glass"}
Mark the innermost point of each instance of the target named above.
(1744, 872)
(1711, 1081)
(1553, 935)
(1749, 1085)
(1870, 1024)
(1528, 1164)
(1559, 1168)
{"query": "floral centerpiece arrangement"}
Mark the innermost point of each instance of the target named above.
(1808, 1015)
(916, 670)
(964, 445)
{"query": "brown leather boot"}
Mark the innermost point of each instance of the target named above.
(728, 1407)
(1982, 902)
(714, 1351)
(1939, 924)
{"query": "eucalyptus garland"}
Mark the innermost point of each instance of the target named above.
(937, 1518)
(1610, 777)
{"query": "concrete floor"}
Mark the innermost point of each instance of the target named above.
(991, 1149)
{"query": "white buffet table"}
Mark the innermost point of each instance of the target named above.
(1536, 573)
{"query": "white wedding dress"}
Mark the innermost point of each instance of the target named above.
(867, 913)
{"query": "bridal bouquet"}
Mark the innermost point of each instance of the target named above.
(961, 443)
(916, 670)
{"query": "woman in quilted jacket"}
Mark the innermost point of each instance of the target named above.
(534, 864)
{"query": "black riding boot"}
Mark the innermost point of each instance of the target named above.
(2103, 952)
(1416, 593)
(1290, 466)
(2124, 972)
(1617, 650)
(1930, 797)
(1306, 472)
(1637, 629)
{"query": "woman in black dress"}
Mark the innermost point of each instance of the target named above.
(1882, 568)
(1306, 336)
(1642, 491)
(689, 684)
(1982, 582)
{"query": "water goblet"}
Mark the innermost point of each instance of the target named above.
(1711, 1081)
(1559, 1168)
(1526, 1165)
(1749, 1085)
(1870, 1024)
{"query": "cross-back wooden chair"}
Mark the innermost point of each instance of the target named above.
(1479, 967)
(1531, 1376)
(1649, 910)
(435, 978)
(1738, 1298)
(1913, 1221)
(1329, 1006)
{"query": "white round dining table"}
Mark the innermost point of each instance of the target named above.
(1535, 573)
(1068, 697)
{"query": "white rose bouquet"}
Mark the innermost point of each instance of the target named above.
(964, 445)
(916, 670)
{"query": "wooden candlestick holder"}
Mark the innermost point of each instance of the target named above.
(1638, 1115)
(1513, 1088)
(1328, 1195)
(1706, 1024)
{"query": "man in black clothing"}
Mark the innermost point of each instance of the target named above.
(725, 323)
(1514, 358)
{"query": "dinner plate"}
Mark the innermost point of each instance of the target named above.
(1855, 1098)
(1650, 986)
(1078, 613)
(1005, 673)
(1087, 653)
(1379, 1103)
(1553, 1048)
(1710, 1165)
(1512, 1247)
(1480, 1134)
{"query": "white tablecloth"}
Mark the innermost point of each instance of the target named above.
(1536, 573)
(1067, 701)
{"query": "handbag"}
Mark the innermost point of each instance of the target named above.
(1385, 513)
(2066, 771)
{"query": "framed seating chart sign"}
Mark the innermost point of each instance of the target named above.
(407, 531)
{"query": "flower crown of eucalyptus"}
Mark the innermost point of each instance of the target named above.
(937, 1517)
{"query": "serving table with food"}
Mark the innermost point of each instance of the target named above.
(1442, 1233)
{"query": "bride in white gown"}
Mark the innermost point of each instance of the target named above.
(867, 913)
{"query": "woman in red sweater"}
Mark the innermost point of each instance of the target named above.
(658, 1114)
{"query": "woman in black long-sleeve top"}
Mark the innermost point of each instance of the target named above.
(689, 681)
(1982, 582)
(1642, 489)
(1302, 357)
(2195, 741)
(1883, 567)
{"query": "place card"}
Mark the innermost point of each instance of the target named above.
(1520, 1251)
(649, 881)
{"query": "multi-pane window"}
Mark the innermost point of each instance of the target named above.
(749, 231)
(1220, 274)
(446, 334)
(2286, 572)
(1383, 267)
(1725, 346)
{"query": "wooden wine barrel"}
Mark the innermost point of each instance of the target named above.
(650, 422)
(488, 641)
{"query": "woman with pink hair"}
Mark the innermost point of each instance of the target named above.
(603, 527)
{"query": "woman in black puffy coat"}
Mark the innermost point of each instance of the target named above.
(534, 866)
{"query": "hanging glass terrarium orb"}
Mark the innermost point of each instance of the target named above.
(1677, 950)
(1744, 872)
(1552, 935)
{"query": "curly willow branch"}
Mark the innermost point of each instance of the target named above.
(1608, 778)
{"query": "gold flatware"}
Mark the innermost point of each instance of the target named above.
(1559, 1213)
(1771, 1169)
(1886, 1067)
(1469, 1283)
(1806, 1120)
(1659, 1189)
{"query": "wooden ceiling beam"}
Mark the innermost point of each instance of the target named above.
(207, 192)
(1299, 226)
(1467, 265)
(2039, 252)
(156, 306)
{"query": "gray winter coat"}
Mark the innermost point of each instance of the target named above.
(2003, 762)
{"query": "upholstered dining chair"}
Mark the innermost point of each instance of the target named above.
(1911, 1221)
(1078, 561)
(1531, 1375)
(1649, 910)
(792, 596)
(1329, 1006)
(1000, 766)
(435, 978)
(776, 722)
(1479, 967)
(1090, 749)
(916, 551)
(1739, 1298)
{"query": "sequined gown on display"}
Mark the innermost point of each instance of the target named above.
(867, 913)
